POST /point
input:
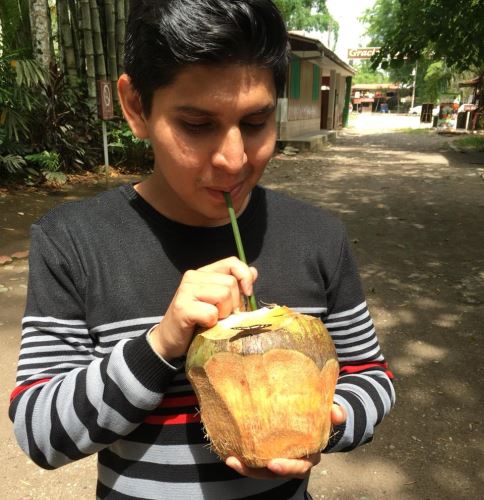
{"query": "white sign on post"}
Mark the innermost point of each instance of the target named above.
(106, 112)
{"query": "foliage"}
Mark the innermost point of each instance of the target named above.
(126, 148)
(12, 163)
(18, 81)
(307, 15)
(366, 74)
(41, 113)
(15, 29)
(407, 30)
(48, 164)
(66, 125)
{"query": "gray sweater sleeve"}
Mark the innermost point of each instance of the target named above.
(69, 401)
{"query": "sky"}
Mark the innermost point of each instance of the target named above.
(346, 12)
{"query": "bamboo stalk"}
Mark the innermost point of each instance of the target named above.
(238, 242)
(66, 41)
(89, 53)
(120, 33)
(109, 15)
(98, 41)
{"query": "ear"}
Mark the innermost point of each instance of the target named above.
(131, 105)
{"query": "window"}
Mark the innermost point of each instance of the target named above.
(295, 78)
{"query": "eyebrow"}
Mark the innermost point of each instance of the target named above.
(193, 110)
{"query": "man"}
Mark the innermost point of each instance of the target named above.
(118, 283)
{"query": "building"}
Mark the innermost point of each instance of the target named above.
(368, 97)
(318, 86)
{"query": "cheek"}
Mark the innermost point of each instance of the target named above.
(175, 152)
(260, 150)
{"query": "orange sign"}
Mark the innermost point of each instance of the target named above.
(105, 99)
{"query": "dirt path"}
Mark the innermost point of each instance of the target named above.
(414, 211)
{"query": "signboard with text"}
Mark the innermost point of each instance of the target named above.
(105, 99)
(363, 52)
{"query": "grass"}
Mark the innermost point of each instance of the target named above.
(473, 142)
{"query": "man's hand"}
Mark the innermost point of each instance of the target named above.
(286, 468)
(204, 296)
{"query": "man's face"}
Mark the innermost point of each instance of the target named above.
(212, 131)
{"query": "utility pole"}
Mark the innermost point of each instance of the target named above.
(414, 72)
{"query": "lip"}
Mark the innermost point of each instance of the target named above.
(218, 191)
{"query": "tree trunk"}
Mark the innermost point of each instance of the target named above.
(66, 42)
(89, 53)
(15, 27)
(120, 33)
(98, 41)
(111, 44)
(41, 32)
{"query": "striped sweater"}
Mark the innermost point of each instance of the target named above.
(102, 271)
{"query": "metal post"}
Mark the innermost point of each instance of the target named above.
(106, 154)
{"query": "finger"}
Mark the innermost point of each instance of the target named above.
(338, 414)
(234, 266)
(243, 470)
(220, 296)
(200, 314)
(225, 290)
(299, 468)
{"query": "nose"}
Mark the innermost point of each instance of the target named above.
(230, 154)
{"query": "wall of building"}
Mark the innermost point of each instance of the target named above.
(303, 100)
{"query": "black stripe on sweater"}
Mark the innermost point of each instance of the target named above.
(168, 434)
(169, 473)
(282, 492)
(48, 354)
(59, 439)
(362, 351)
(88, 414)
(34, 451)
(359, 417)
(370, 390)
(114, 397)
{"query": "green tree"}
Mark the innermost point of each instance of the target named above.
(308, 15)
(365, 73)
(442, 38)
(449, 30)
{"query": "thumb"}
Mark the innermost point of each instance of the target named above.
(338, 414)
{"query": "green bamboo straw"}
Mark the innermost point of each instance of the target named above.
(238, 242)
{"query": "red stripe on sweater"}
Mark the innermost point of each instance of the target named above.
(172, 402)
(182, 418)
(22, 388)
(362, 368)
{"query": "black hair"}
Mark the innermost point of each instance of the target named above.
(165, 36)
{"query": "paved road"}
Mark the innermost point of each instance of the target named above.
(414, 212)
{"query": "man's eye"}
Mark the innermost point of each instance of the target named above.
(196, 127)
(254, 125)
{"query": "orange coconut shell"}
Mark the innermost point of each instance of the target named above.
(265, 382)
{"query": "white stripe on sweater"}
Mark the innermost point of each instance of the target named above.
(348, 312)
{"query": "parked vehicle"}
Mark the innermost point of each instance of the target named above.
(416, 110)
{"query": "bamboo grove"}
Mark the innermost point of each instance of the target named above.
(52, 53)
(84, 38)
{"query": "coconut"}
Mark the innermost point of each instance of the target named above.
(265, 382)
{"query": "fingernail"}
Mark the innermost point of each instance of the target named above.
(277, 468)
